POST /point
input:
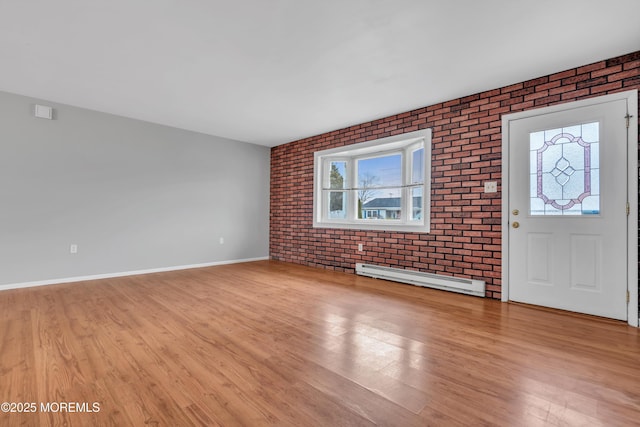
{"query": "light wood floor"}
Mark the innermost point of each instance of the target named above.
(270, 343)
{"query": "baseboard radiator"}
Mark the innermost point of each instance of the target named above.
(418, 278)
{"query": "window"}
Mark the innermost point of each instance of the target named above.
(377, 185)
(564, 170)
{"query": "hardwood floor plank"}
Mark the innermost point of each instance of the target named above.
(270, 343)
(359, 400)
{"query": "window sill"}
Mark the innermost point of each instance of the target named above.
(405, 228)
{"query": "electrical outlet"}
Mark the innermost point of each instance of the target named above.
(491, 187)
(222, 240)
(360, 247)
(73, 248)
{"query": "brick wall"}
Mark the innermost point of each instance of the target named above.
(465, 237)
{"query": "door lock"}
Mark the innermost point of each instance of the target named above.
(515, 211)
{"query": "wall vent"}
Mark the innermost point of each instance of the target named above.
(418, 278)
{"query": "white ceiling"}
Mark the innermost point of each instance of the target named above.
(273, 71)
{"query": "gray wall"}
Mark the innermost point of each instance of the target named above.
(132, 195)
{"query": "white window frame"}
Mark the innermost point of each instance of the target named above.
(404, 144)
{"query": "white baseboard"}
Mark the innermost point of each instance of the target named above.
(122, 274)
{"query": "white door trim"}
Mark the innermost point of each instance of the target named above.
(632, 190)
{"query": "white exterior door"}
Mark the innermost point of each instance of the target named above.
(567, 208)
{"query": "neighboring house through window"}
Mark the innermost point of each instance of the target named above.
(389, 208)
(382, 184)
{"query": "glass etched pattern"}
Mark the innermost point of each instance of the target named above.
(565, 170)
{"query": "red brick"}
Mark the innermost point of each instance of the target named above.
(625, 74)
(606, 71)
(606, 88)
(562, 75)
(591, 67)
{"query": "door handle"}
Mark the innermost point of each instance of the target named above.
(515, 224)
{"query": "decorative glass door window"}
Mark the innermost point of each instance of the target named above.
(565, 170)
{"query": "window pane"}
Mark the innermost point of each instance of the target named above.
(416, 203)
(564, 171)
(373, 175)
(337, 175)
(385, 171)
(417, 167)
(337, 204)
(387, 205)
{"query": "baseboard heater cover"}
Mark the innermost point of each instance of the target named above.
(418, 278)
